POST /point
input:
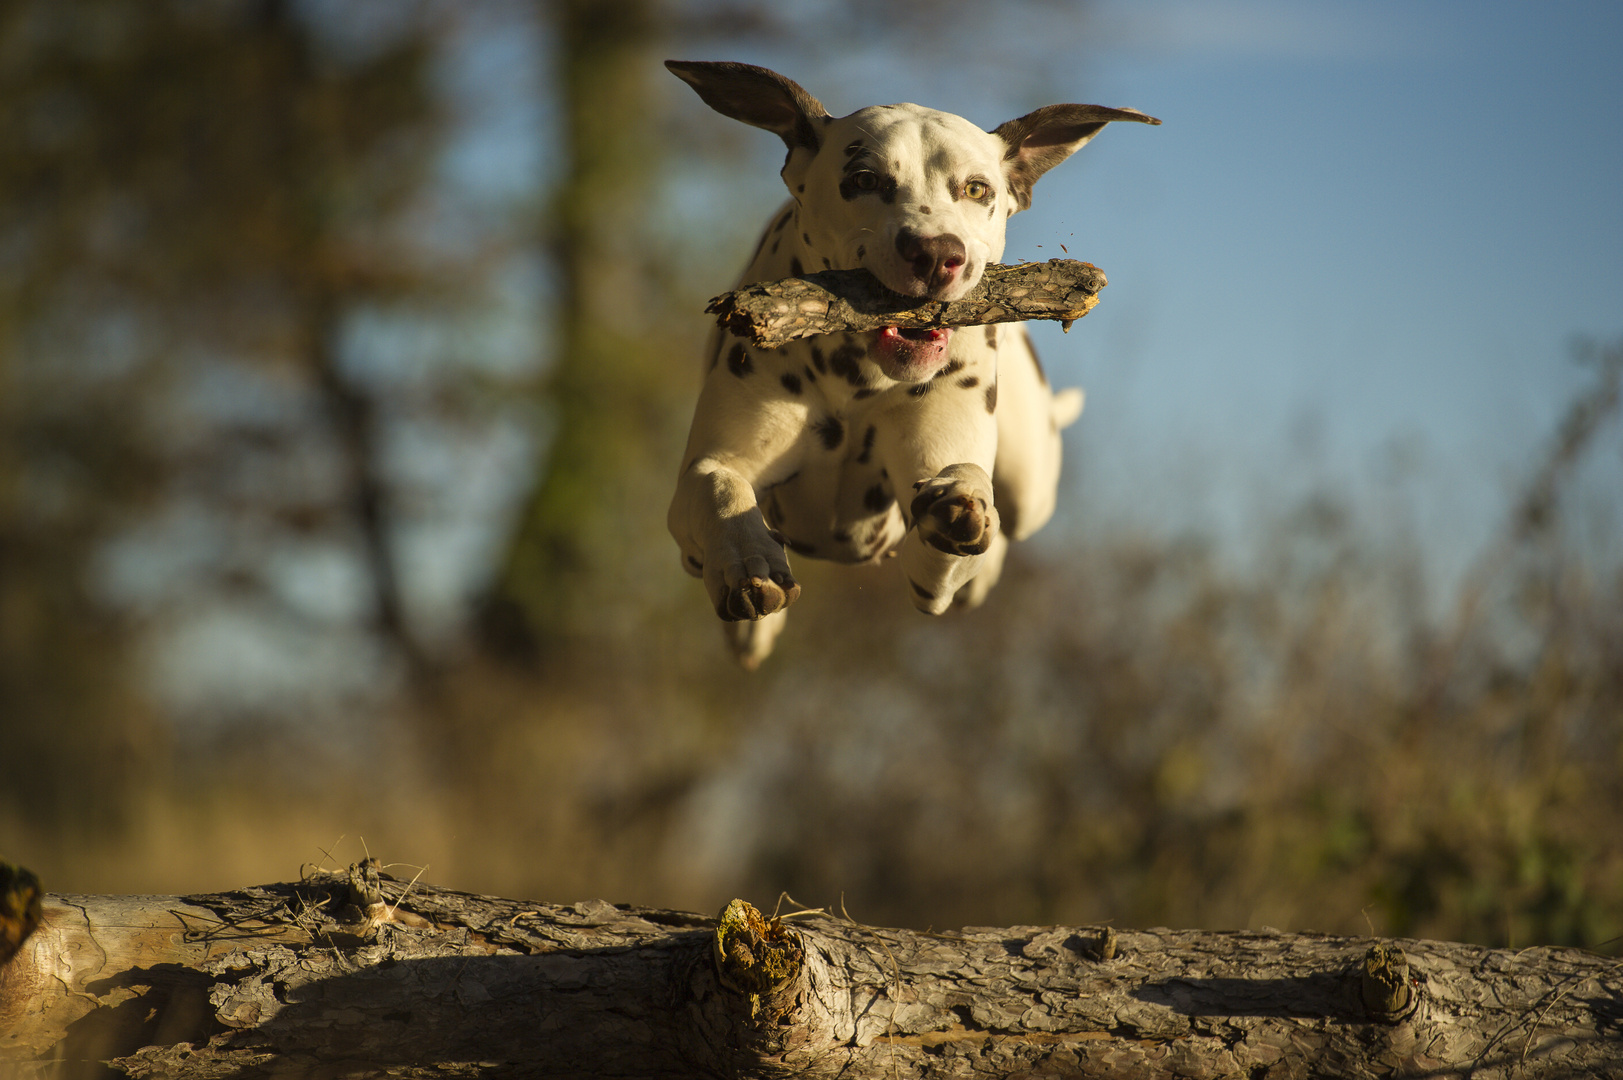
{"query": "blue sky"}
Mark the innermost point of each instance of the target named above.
(1415, 208)
(1354, 257)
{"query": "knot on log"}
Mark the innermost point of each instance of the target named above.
(362, 905)
(1384, 983)
(754, 955)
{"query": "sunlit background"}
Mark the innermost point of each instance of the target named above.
(347, 349)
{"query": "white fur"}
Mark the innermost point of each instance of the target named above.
(826, 443)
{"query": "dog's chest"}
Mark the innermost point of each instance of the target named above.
(838, 499)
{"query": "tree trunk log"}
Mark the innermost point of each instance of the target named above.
(361, 975)
(772, 313)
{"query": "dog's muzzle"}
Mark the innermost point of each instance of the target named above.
(935, 262)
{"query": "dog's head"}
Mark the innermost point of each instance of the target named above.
(919, 198)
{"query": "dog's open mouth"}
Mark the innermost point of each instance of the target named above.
(912, 355)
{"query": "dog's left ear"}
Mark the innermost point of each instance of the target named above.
(1042, 139)
(758, 96)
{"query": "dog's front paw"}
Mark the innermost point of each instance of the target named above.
(755, 587)
(954, 511)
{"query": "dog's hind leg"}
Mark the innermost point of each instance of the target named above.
(974, 594)
(752, 641)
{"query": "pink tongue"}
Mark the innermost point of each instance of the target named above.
(915, 347)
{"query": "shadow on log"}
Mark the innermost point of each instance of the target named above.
(358, 974)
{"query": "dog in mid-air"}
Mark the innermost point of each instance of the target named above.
(937, 446)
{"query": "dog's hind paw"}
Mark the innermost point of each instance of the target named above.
(954, 512)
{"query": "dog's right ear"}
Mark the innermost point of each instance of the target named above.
(1042, 139)
(756, 96)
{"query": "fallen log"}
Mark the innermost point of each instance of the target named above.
(356, 973)
(773, 313)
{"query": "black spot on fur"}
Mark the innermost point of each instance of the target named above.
(739, 362)
(842, 536)
(791, 383)
(827, 265)
(801, 188)
(969, 382)
(778, 225)
(844, 364)
(919, 389)
(877, 499)
(887, 190)
(806, 237)
(991, 336)
(795, 269)
(952, 368)
(831, 430)
(862, 251)
(867, 445)
(991, 398)
(774, 247)
(811, 376)
(818, 359)
(865, 392)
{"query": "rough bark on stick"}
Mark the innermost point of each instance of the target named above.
(358, 975)
(772, 313)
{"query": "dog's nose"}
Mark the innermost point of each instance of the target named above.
(935, 260)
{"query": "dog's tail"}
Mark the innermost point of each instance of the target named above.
(1066, 407)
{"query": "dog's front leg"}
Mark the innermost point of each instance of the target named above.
(953, 522)
(724, 540)
(738, 442)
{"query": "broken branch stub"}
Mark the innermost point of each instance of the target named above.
(773, 313)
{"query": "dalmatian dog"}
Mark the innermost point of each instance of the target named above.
(935, 446)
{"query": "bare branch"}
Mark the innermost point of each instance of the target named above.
(772, 313)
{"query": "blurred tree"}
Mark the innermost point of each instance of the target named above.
(193, 199)
(571, 567)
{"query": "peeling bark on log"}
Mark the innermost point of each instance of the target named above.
(358, 975)
(772, 313)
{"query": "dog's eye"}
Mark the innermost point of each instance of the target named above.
(977, 189)
(865, 180)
